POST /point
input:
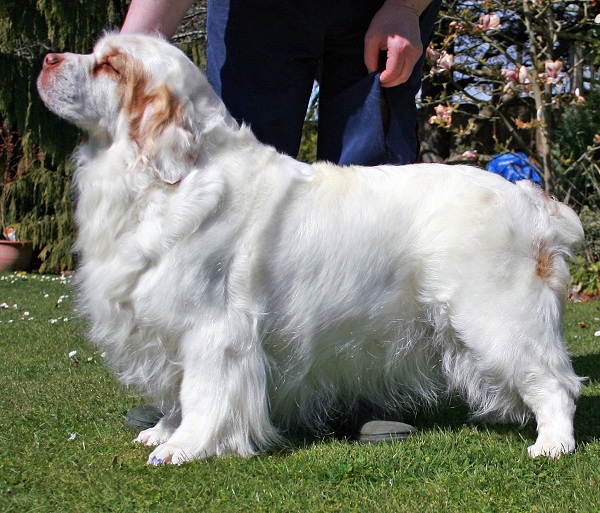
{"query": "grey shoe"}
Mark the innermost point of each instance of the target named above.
(384, 431)
(143, 417)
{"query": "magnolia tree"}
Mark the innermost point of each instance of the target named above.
(489, 54)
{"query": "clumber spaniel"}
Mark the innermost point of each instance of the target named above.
(249, 293)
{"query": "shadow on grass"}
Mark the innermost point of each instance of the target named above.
(588, 366)
(450, 414)
(587, 417)
(453, 414)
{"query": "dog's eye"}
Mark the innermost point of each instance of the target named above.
(105, 66)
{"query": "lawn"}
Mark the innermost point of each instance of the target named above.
(63, 447)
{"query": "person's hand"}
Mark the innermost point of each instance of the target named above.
(395, 29)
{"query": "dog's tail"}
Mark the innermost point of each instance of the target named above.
(562, 231)
(567, 225)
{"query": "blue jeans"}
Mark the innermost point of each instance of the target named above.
(264, 55)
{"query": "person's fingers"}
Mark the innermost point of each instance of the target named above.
(372, 49)
(393, 74)
(394, 29)
(401, 59)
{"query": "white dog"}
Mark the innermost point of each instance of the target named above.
(248, 292)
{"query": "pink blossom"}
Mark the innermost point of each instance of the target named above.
(442, 110)
(443, 61)
(511, 75)
(432, 55)
(553, 68)
(524, 76)
(446, 61)
(470, 154)
(514, 76)
(519, 76)
(443, 116)
(489, 22)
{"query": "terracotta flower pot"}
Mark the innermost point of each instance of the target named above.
(15, 255)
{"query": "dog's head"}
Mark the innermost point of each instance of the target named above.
(138, 89)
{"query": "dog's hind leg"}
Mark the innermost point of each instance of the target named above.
(510, 359)
(223, 397)
(553, 405)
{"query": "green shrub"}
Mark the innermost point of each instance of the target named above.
(36, 199)
(590, 248)
(578, 150)
(585, 268)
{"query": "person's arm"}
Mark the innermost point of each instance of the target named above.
(152, 16)
(395, 29)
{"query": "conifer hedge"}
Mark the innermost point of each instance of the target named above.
(35, 145)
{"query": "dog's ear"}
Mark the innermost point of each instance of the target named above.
(168, 142)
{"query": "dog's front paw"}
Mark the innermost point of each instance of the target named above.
(551, 449)
(169, 453)
(154, 436)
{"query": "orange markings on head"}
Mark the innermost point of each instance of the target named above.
(112, 64)
(136, 98)
(166, 109)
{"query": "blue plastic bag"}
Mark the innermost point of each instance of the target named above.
(515, 167)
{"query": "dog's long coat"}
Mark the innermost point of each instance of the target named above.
(248, 292)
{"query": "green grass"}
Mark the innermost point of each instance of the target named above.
(63, 447)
